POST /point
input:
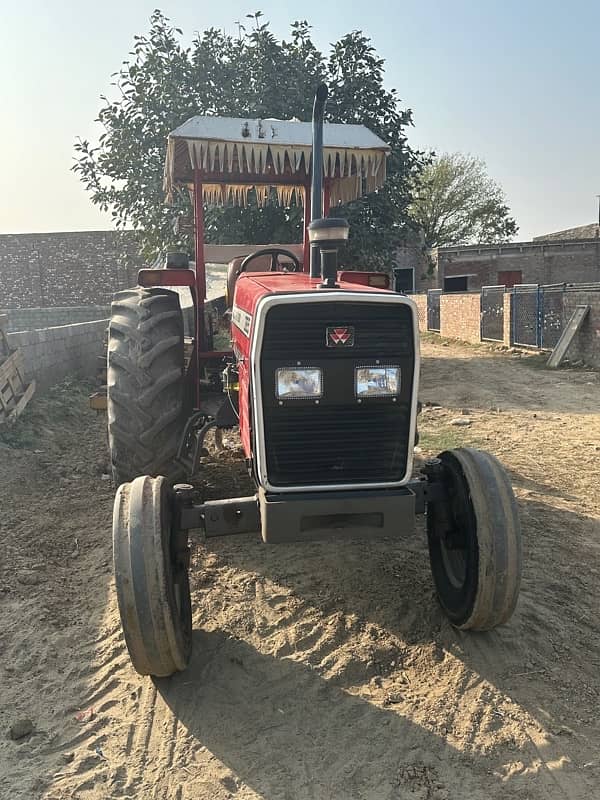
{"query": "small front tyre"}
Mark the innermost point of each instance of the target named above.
(474, 540)
(151, 576)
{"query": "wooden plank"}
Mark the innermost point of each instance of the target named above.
(13, 364)
(567, 336)
(23, 400)
(4, 403)
(98, 401)
(8, 390)
(14, 396)
(16, 384)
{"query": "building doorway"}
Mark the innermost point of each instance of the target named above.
(510, 278)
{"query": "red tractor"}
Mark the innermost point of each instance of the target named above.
(322, 380)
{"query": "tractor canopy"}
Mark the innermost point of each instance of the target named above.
(230, 156)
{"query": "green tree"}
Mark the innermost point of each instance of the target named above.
(456, 202)
(253, 74)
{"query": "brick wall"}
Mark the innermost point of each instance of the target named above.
(42, 270)
(586, 345)
(421, 303)
(66, 269)
(460, 317)
(51, 354)
(88, 267)
(543, 262)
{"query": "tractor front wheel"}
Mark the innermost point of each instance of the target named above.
(145, 377)
(151, 576)
(474, 540)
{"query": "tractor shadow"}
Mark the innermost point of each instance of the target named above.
(525, 483)
(287, 730)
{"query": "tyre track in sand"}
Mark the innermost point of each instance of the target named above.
(325, 670)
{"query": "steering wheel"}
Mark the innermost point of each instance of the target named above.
(274, 252)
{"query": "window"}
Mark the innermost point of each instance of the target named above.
(404, 280)
(458, 284)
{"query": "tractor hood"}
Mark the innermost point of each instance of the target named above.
(234, 155)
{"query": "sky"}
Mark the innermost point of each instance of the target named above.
(512, 82)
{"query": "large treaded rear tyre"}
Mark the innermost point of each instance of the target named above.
(145, 383)
(475, 541)
(151, 577)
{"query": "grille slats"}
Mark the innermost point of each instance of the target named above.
(339, 441)
(321, 445)
(385, 333)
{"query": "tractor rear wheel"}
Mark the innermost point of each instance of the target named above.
(145, 377)
(151, 576)
(475, 541)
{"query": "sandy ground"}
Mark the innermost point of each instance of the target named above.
(320, 672)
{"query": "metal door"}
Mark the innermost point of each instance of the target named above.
(510, 277)
(433, 309)
(551, 315)
(526, 315)
(492, 313)
(538, 315)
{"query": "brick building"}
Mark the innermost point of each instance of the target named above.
(570, 256)
(582, 232)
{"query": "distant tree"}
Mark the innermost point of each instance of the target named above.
(456, 202)
(251, 74)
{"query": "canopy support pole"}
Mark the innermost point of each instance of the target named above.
(317, 172)
(200, 285)
(327, 197)
(306, 249)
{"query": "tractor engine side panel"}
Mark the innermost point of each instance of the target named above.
(247, 295)
(244, 407)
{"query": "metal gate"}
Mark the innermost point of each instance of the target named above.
(525, 317)
(538, 315)
(552, 318)
(433, 309)
(492, 313)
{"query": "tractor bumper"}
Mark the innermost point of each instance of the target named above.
(305, 516)
(325, 515)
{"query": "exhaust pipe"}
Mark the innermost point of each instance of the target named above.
(316, 209)
(325, 235)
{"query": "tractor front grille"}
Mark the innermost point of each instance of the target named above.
(335, 445)
(337, 440)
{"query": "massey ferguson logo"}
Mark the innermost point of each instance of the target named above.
(340, 337)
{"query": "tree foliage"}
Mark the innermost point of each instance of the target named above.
(253, 74)
(456, 202)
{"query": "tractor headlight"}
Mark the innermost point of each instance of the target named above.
(294, 383)
(377, 381)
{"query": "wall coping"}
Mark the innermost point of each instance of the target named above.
(580, 244)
